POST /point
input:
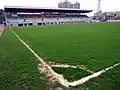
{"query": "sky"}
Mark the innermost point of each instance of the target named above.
(106, 5)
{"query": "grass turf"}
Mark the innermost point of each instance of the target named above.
(71, 74)
(18, 67)
(95, 46)
(107, 81)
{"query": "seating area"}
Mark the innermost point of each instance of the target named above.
(28, 20)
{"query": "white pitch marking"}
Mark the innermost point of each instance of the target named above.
(85, 79)
(40, 59)
(58, 77)
(45, 69)
(70, 66)
(1, 31)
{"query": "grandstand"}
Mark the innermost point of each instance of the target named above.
(30, 16)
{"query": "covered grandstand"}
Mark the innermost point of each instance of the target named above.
(27, 16)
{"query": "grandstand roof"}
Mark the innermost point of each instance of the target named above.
(39, 9)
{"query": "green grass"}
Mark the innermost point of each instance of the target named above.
(18, 67)
(95, 46)
(71, 74)
(107, 81)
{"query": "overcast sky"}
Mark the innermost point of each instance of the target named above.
(106, 5)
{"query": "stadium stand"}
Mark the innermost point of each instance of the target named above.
(27, 16)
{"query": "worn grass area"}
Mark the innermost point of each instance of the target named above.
(94, 46)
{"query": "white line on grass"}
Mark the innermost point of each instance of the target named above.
(70, 66)
(55, 77)
(1, 31)
(44, 68)
(85, 79)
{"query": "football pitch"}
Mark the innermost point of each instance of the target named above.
(92, 47)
